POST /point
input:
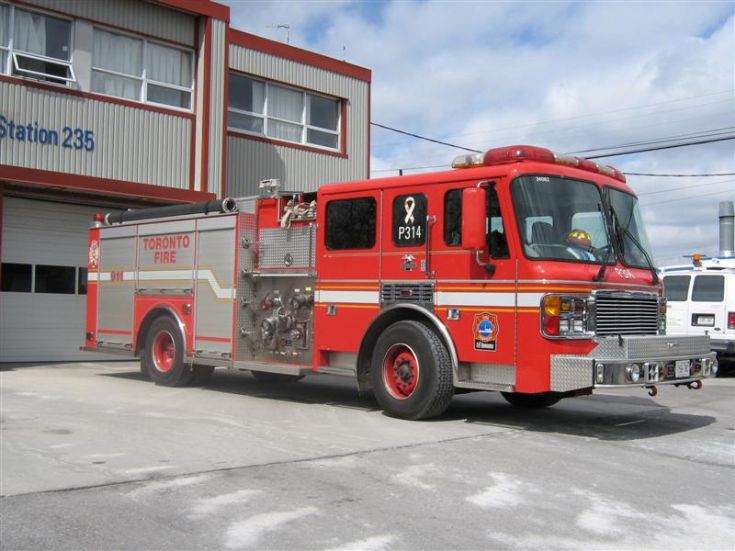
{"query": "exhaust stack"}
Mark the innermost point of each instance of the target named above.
(727, 229)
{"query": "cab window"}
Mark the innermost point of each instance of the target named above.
(496, 239)
(351, 223)
(453, 217)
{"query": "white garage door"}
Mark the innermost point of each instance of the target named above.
(43, 284)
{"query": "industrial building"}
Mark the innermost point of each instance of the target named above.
(133, 103)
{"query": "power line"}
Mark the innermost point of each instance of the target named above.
(714, 132)
(424, 137)
(659, 148)
(688, 197)
(684, 187)
(682, 175)
(635, 116)
(614, 154)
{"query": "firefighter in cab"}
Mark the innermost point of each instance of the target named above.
(579, 245)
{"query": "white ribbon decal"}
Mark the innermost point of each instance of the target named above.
(409, 205)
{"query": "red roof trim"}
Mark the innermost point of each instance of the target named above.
(253, 42)
(105, 186)
(199, 7)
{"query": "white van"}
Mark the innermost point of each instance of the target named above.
(701, 301)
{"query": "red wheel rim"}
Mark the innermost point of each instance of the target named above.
(400, 371)
(164, 351)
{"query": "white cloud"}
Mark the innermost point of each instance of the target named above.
(566, 75)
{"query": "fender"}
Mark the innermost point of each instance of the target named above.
(390, 315)
(152, 314)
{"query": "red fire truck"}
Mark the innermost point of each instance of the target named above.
(520, 271)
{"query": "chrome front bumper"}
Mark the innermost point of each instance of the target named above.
(635, 361)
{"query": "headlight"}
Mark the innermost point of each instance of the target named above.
(565, 316)
(633, 372)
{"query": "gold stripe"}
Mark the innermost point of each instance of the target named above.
(345, 305)
(347, 288)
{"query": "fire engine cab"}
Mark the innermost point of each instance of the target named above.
(519, 271)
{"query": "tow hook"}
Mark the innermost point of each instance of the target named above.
(695, 385)
(652, 390)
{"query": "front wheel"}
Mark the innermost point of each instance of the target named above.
(164, 354)
(531, 401)
(411, 372)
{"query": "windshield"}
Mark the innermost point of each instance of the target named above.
(561, 219)
(629, 229)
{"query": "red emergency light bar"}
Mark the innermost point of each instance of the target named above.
(520, 153)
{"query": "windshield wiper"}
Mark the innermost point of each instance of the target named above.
(608, 214)
(622, 230)
(651, 268)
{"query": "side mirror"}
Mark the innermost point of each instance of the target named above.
(473, 219)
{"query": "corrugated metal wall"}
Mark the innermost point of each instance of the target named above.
(143, 17)
(249, 161)
(135, 145)
(217, 106)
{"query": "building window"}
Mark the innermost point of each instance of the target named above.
(4, 37)
(82, 278)
(16, 278)
(35, 45)
(351, 223)
(283, 113)
(132, 68)
(55, 279)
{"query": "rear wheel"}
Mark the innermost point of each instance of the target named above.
(144, 368)
(164, 354)
(411, 372)
(540, 400)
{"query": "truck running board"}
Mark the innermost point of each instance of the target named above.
(282, 368)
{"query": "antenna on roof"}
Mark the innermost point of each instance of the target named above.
(285, 26)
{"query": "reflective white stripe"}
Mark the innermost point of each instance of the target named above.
(218, 291)
(166, 274)
(357, 297)
(530, 300)
(92, 276)
(490, 299)
(107, 276)
(175, 275)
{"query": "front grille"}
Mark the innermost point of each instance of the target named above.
(626, 313)
(416, 293)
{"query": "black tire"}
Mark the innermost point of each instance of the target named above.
(202, 374)
(266, 377)
(144, 368)
(164, 354)
(531, 401)
(411, 372)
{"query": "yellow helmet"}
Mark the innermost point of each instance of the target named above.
(579, 238)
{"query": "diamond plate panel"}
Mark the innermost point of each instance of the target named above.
(651, 347)
(287, 248)
(494, 374)
(570, 373)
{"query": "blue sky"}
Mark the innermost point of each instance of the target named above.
(565, 75)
